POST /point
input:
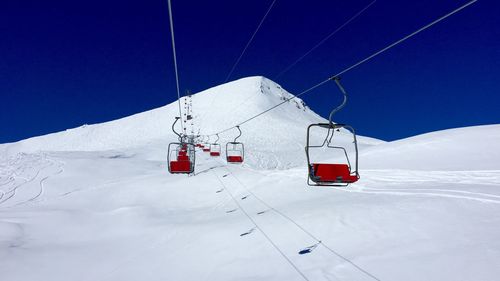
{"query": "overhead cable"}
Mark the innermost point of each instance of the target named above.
(249, 41)
(354, 65)
(325, 39)
(175, 61)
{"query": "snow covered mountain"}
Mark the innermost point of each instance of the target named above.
(274, 140)
(96, 202)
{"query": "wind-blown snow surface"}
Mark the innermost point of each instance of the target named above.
(96, 202)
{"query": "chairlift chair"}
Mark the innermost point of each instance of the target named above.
(215, 148)
(205, 146)
(181, 161)
(340, 172)
(200, 143)
(181, 156)
(235, 151)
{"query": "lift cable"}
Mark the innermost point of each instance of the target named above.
(249, 41)
(324, 40)
(317, 45)
(261, 230)
(407, 37)
(241, 55)
(175, 61)
(354, 65)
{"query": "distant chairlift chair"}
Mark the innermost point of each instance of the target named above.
(235, 151)
(181, 155)
(215, 148)
(206, 144)
(340, 173)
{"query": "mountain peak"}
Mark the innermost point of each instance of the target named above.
(268, 138)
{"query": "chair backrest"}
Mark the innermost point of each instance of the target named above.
(234, 152)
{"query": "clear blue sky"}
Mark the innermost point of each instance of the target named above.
(68, 63)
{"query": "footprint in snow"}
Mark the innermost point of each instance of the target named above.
(224, 176)
(219, 191)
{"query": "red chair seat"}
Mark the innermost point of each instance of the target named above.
(182, 153)
(206, 149)
(214, 153)
(234, 159)
(180, 166)
(333, 173)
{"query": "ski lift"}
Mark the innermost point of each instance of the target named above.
(200, 143)
(215, 148)
(181, 155)
(235, 151)
(205, 146)
(341, 172)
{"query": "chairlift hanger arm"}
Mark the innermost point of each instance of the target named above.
(173, 128)
(338, 108)
(237, 127)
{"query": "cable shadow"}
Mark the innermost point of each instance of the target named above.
(208, 170)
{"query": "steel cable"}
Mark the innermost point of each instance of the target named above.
(354, 65)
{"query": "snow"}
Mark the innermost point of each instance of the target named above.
(97, 203)
(475, 148)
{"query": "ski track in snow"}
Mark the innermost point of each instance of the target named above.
(60, 170)
(454, 178)
(25, 166)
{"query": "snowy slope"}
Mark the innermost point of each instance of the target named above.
(215, 109)
(472, 148)
(96, 202)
